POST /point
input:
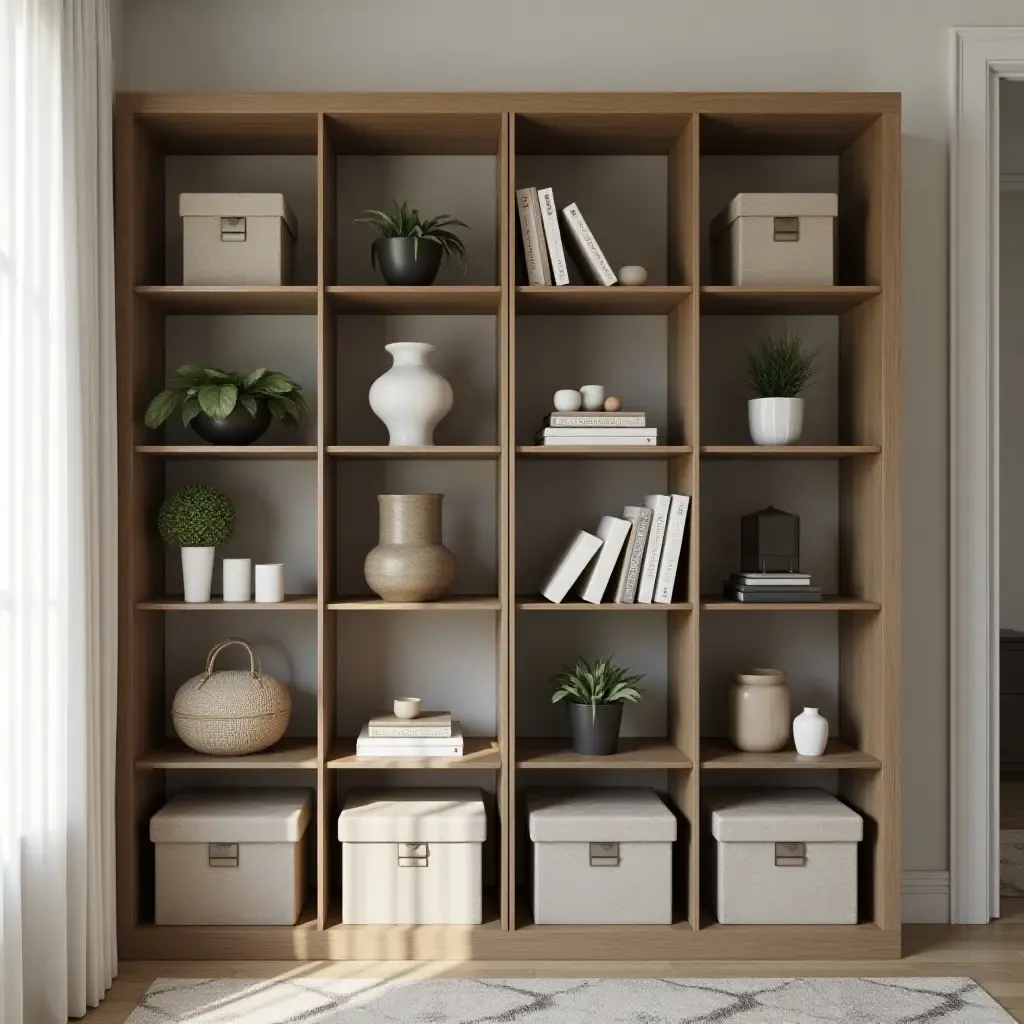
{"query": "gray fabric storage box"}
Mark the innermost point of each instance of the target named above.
(601, 856)
(783, 856)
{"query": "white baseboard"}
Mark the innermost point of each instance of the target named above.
(925, 897)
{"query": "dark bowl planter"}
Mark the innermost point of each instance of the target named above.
(238, 428)
(595, 733)
(398, 264)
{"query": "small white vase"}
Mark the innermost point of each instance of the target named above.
(568, 400)
(237, 579)
(197, 571)
(411, 398)
(593, 397)
(775, 420)
(270, 583)
(810, 733)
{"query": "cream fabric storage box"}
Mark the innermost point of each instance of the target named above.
(236, 238)
(231, 856)
(775, 238)
(784, 856)
(412, 856)
(601, 856)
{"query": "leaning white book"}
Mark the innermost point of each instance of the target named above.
(633, 553)
(659, 505)
(570, 565)
(552, 235)
(672, 549)
(613, 533)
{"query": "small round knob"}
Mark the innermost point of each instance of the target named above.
(612, 404)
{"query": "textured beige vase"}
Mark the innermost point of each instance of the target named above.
(759, 710)
(410, 563)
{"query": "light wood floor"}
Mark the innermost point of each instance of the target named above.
(993, 955)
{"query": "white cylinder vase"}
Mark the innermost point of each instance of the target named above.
(197, 572)
(237, 579)
(775, 421)
(810, 733)
(412, 397)
(270, 583)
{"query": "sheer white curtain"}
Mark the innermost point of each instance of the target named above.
(58, 511)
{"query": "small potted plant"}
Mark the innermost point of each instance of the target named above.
(198, 519)
(409, 249)
(777, 373)
(229, 408)
(595, 694)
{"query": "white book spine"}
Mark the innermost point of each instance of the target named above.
(529, 226)
(587, 245)
(570, 566)
(599, 431)
(542, 249)
(589, 420)
(659, 506)
(601, 439)
(636, 559)
(672, 549)
(553, 235)
(384, 732)
(453, 750)
(613, 533)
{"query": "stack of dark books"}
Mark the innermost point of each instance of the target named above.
(771, 588)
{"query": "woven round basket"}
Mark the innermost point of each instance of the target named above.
(231, 713)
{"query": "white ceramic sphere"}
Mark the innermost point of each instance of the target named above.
(568, 400)
(407, 707)
(632, 275)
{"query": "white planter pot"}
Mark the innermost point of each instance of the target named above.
(775, 421)
(237, 579)
(197, 570)
(810, 733)
(411, 398)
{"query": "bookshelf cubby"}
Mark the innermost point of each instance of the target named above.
(649, 170)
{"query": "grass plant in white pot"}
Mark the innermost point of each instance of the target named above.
(198, 519)
(778, 372)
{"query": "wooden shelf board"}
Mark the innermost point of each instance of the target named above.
(811, 301)
(286, 753)
(291, 603)
(437, 451)
(720, 754)
(229, 451)
(237, 300)
(416, 133)
(480, 753)
(536, 603)
(829, 603)
(470, 603)
(794, 133)
(789, 451)
(405, 300)
(654, 451)
(589, 299)
(634, 752)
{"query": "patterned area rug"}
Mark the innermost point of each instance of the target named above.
(1011, 862)
(570, 1001)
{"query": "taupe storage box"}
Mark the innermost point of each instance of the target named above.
(775, 238)
(231, 856)
(601, 856)
(235, 238)
(783, 856)
(412, 856)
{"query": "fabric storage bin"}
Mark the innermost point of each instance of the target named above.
(775, 238)
(231, 856)
(601, 856)
(783, 856)
(412, 856)
(234, 238)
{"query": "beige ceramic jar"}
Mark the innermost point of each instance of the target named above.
(759, 710)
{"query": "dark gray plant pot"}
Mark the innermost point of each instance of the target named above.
(238, 428)
(595, 734)
(399, 266)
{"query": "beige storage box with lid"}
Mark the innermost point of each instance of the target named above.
(783, 856)
(775, 239)
(412, 856)
(231, 857)
(601, 856)
(236, 238)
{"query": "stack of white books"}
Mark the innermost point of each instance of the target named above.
(431, 734)
(570, 429)
(630, 559)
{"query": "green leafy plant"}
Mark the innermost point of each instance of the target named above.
(602, 682)
(196, 516)
(781, 367)
(406, 223)
(216, 392)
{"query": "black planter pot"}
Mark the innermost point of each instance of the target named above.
(399, 266)
(595, 733)
(238, 428)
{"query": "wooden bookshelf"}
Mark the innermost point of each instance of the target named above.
(345, 467)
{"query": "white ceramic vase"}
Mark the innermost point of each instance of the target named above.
(759, 710)
(810, 733)
(197, 571)
(411, 398)
(775, 420)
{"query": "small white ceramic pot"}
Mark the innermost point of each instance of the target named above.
(810, 733)
(775, 421)
(270, 583)
(593, 397)
(197, 571)
(759, 710)
(632, 275)
(568, 400)
(408, 707)
(237, 579)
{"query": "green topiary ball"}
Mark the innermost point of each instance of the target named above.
(196, 517)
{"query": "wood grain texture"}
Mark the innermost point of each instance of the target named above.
(290, 752)
(291, 603)
(743, 300)
(635, 752)
(589, 300)
(407, 300)
(721, 755)
(234, 300)
(444, 604)
(229, 451)
(437, 451)
(789, 451)
(828, 603)
(480, 755)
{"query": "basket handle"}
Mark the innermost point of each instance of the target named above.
(254, 660)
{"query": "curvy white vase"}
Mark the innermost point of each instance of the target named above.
(411, 398)
(775, 420)
(810, 733)
(197, 571)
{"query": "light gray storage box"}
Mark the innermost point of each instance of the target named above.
(231, 856)
(601, 856)
(412, 856)
(775, 238)
(236, 238)
(783, 856)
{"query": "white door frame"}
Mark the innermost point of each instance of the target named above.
(981, 57)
